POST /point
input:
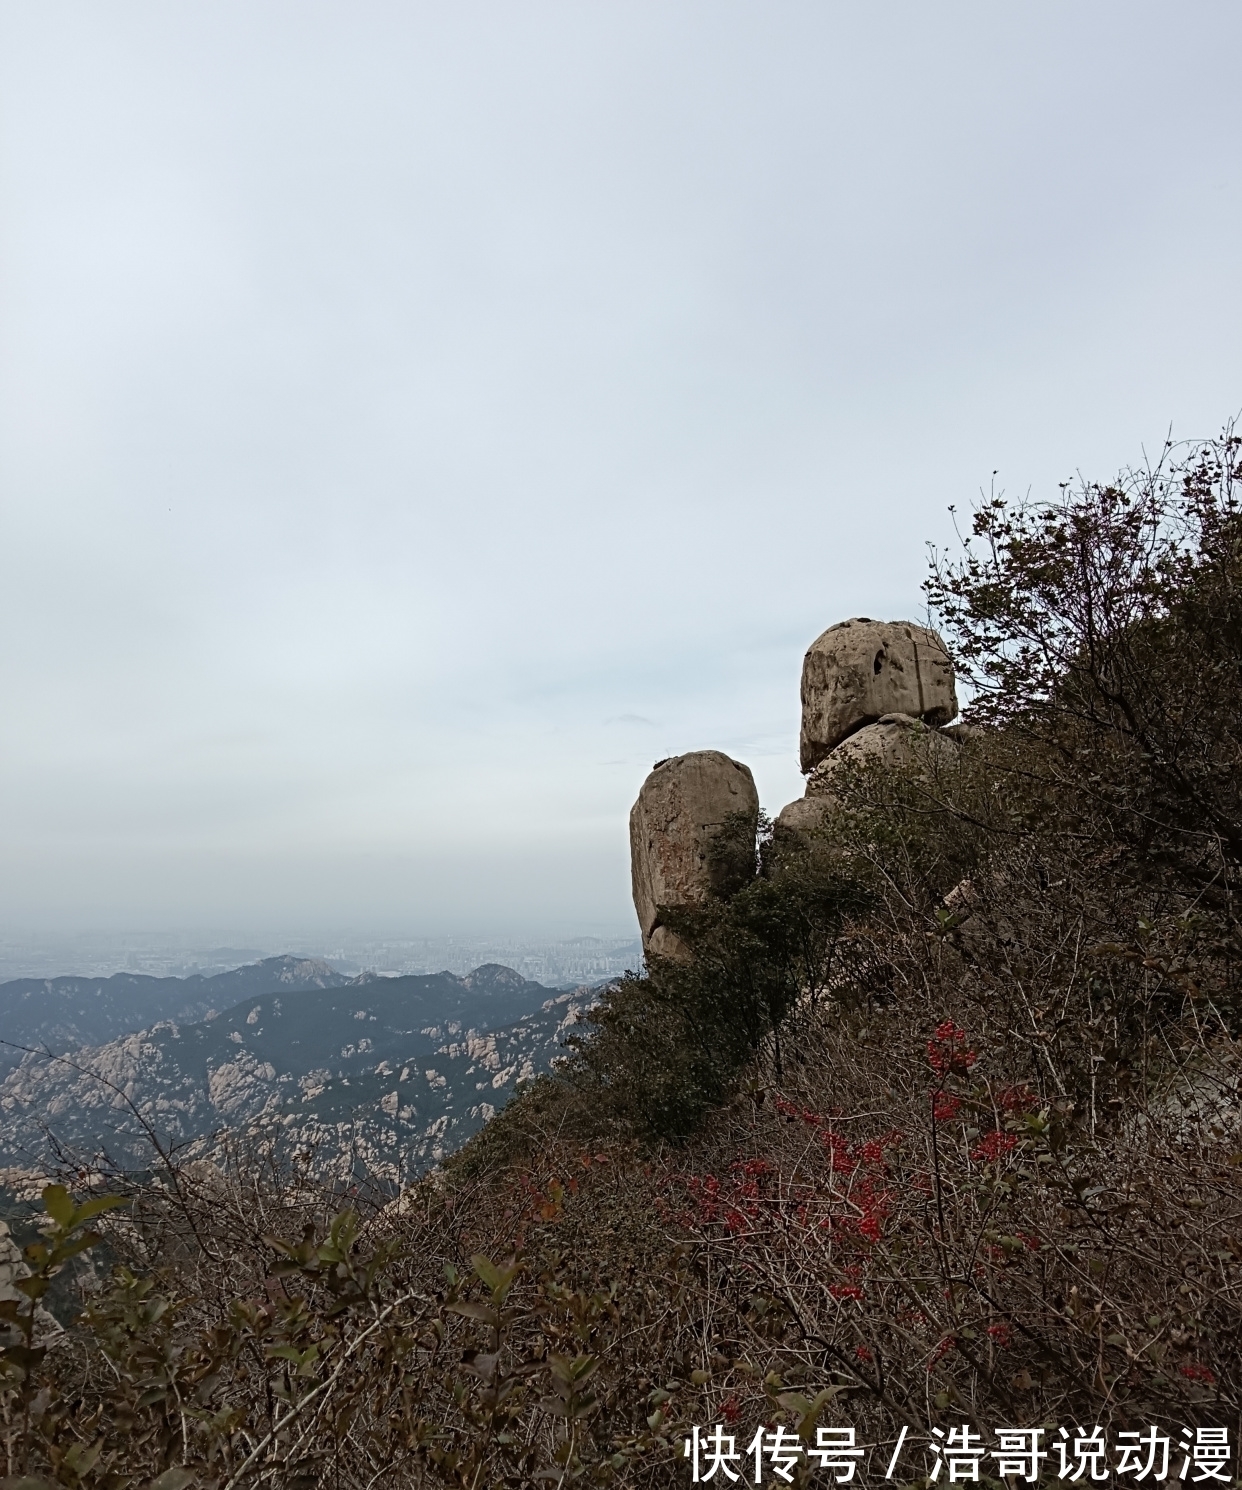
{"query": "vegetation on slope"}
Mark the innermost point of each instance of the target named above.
(940, 1124)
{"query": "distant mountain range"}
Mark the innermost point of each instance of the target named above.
(372, 1075)
(65, 1013)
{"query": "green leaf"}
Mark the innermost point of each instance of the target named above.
(808, 1411)
(343, 1233)
(175, 1478)
(82, 1457)
(292, 1353)
(483, 1312)
(499, 1280)
(79, 1244)
(57, 1204)
(486, 1269)
(97, 1207)
(573, 1372)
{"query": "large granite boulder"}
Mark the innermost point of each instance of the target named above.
(860, 670)
(798, 821)
(897, 740)
(680, 810)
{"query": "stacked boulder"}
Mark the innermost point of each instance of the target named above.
(682, 808)
(858, 671)
(871, 690)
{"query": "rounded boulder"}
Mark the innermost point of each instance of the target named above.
(674, 828)
(860, 670)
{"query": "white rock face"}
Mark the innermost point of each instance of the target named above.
(860, 670)
(681, 807)
(234, 1087)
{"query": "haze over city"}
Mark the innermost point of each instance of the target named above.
(416, 420)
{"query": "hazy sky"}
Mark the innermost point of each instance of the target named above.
(415, 420)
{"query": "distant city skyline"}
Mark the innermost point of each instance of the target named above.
(416, 420)
(556, 961)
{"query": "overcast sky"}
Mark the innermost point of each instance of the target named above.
(415, 420)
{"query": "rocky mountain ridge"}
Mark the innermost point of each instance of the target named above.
(71, 1012)
(374, 1074)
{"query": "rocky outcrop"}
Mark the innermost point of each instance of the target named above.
(681, 808)
(858, 671)
(13, 1270)
(897, 741)
(872, 691)
(798, 821)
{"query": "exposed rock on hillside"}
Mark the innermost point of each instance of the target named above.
(798, 819)
(682, 805)
(896, 740)
(380, 1076)
(13, 1270)
(858, 671)
(871, 690)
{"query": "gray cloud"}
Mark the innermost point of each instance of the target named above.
(391, 392)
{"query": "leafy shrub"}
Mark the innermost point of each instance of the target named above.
(663, 1049)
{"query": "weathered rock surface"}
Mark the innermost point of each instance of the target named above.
(896, 740)
(12, 1270)
(860, 670)
(681, 807)
(800, 819)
